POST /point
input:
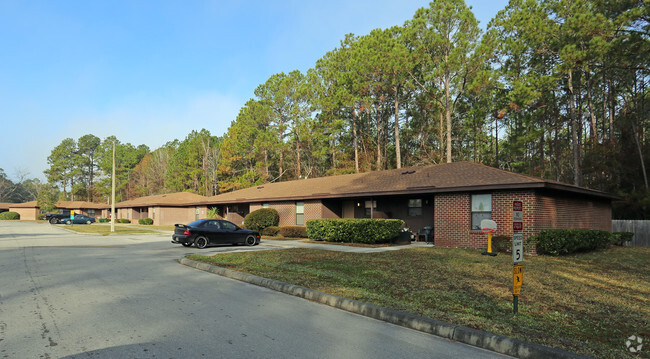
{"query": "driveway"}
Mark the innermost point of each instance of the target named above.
(68, 295)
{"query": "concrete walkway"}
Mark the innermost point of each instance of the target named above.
(284, 244)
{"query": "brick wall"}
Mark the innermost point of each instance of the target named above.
(26, 214)
(567, 212)
(287, 211)
(452, 216)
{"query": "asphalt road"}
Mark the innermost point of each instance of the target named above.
(66, 295)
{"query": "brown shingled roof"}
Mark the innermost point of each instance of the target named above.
(447, 177)
(6, 206)
(32, 204)
(80, 204)
(63, 204)
(178, 199)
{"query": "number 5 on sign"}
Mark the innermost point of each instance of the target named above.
(517, 248)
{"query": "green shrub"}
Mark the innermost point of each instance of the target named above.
(262, 218)
(271, 231)
(566, 241)
(40, 216)
(620, 238)
(123, 220)
(354, 230)
(293, 231)
(501, 244)
(12, 216)
(145, 221)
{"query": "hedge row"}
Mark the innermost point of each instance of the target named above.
(145, 221)
(566, 241)
(293, 232)
(354, 230)
(262, 218)
(10, 216)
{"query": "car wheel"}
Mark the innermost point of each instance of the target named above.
(68, 222)
(250, 241)
(88, 222)
(187, 244)
(201, 242)
(53, 221)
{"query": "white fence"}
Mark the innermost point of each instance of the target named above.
(641, 230)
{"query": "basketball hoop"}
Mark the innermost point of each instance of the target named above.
(488, 226)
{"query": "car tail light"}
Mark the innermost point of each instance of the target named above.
(186, 232)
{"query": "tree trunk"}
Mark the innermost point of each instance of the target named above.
(356, 140)
(442, 135)
(592, 113)
(298, 168)
(397, 144)
(448, 118)
(574, 133)
(378, 137)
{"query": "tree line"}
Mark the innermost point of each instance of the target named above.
(555, 89)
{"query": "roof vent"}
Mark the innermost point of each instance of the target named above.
(408, 172)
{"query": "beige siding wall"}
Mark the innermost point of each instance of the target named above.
(26, 214)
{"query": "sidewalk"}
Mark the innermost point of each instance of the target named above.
(284, 244)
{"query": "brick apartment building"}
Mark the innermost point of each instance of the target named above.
(451, 198)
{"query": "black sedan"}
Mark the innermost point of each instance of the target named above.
(78, 219)
(213, 231)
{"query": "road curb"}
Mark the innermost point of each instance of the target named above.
(478, 338)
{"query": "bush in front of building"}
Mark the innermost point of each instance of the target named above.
(123, 220)
(354, 230)
(11, 216)
(262, 218)
(556, 242)
(270, 231)
(145, 221)
(501, 244)
(293, 231)
(620, 238)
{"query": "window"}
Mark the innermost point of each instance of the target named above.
(481, 209)
(415, 207)
(228, 226)
(91, 212)
(265, 205)
(300, 213)
(154, 213)
(369, 212)
(196, 216)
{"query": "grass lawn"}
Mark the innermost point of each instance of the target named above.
(587, 303)
(105, 229)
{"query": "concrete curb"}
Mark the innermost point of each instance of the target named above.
(478, 338)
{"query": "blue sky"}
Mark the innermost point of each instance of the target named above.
(149, 72)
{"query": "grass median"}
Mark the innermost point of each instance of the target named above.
(105, 229)
(587, 303)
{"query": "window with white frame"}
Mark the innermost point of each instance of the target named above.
(300, 213)
(415, 207)
(265, 205)
(481, 209)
